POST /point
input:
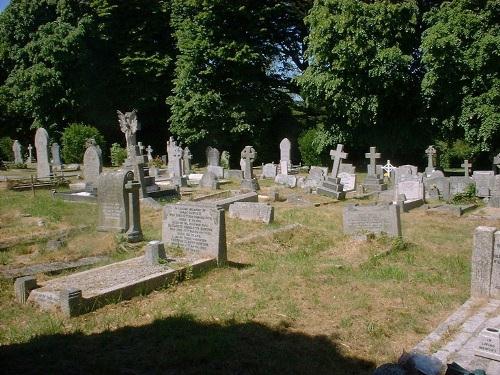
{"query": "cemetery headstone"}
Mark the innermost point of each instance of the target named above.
(483, 256)
(16, 148)
(412, 187)
(225, 160)
(118, 204)
(373, 182)
(56, 156)
(92, 165)
(494, 200)
(348, 181)
(485, 181)
(209, 181)
(405, 170)
(431, 159)
(285, 147)
(381, 218)
(186, 159)
(42, 153)
(389, 170)
(248, 156)
(347, 168)
(252, 211)
(286, 179)
(30, 154)
(269, 170)
(216, 170)
(213, 156)
(197, 229)
(177, 177)
(315, 177)
(149, 151)
(459, 184)
(141, 148)
(332, 186)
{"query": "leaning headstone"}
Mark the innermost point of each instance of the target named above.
(56, 156)
(431, 159)
(225, 160)
(252, 211)
(348, 181)
(269, 170)
(315, 177)
(373, 182)
(485, 182)
(331, 186)
(209, 181)
(381, 218)
(42, 153)
(92, 165)
(285, 147)
(248, 156)
(197, 229)
(213, 156)
(16, 148)
(118, 204)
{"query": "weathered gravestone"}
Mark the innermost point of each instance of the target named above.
(488, 345)
(213, 156)
(42, 153)
(485, 272)
(216, 170)
(373, 182)
(466, 166)
(485, 182)
(118, 204)
(494, 200)
(16, 148)
(405, 170)
(197, 229)
(225, 160)
(252, 211)
(347, 168)
(92, 165)
(248, 156)
(412, 187)
(186, 159)
(459, 184)
(348, 181)
(431, 159)
(285, 161)
(175, 160)
(315, 177)
(332, 186)
(436, 185)
(209, 181)
(381, 218)
(56, 156)
(286, 179)
(269, 170)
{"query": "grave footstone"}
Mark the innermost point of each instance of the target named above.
(252, 211)
(381, 218)
(18, 156)
(248, 156)
(488, 345)
(197, 229)
(373, 182)
(56, 156)
(269, 170)
(42, 153)
(332, 186)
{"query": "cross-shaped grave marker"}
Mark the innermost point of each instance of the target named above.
(149, 150)
(373, 156)
(30, 156)
(176, 161)
(337, 156)
(141, 147)
(431, 153)
(388, 167)
(466, 167)
(248, 156)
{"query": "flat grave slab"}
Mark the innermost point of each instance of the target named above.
(451, 209)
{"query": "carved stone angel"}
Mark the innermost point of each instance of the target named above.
(129, 126)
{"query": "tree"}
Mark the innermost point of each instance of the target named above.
(361, 73)
(461, 86)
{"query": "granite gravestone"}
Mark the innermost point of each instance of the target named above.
(248, 182)
(186, 159)
(381, 218)
(42, 153)
(92, 164)
(197, 229)
(285, 147)
(373, 182)
(118, 204)
(252, 211)
(269, 170)
(16, 148)
(485, 181)
(56, 156)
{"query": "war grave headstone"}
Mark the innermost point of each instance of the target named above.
(252, 211)
(431, 160)
(56, 156)
(380, 218)
(285, 160)
(30, 154)
(331, 186)
(18, 156)
(197, 229)
(43, 169)
(248, 156)
(187, 156)
(209, 181)
(269, 170)
(373, 182)
(485, 182)
(149, 151)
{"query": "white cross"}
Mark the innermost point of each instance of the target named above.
(389, 168)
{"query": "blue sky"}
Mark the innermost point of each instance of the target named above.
(3, 4)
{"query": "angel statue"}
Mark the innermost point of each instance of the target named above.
(129, 126)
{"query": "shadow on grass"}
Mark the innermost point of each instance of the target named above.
(181, 345)
(238, 266)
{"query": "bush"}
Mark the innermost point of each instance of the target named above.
(74, 138)
(453, 154)
(118, 154)
(312, 145)
(6, 153)
(467, 197)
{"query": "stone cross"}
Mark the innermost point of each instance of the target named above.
(337, 156)
(389, 168)
(373, 156)
(18, 157)
(431, 153)
(186, 157)
(248, 156)
(56, 157)
(42, 153)
(141, 148)
(466, 167)
(30, 155)
(176, 161)
(149, 150)
(134, 232)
